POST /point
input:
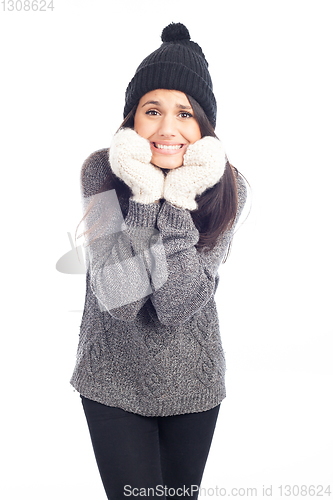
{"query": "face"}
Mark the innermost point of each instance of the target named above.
(166, 119)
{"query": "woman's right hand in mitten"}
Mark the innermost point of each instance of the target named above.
(130, 156)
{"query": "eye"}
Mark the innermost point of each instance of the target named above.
(152, 112)
(185, 114)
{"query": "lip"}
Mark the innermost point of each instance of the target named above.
(167, 151)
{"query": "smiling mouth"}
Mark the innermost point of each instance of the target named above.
(167, 146)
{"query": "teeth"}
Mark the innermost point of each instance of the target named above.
(164, 146)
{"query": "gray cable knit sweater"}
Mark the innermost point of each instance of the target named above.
(157, 350)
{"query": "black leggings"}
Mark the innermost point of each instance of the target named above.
(156, 457)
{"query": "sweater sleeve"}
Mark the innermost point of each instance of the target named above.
(120, 277)
(115, 249)
(192, 275)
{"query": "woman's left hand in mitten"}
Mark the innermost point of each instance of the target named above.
(203, 166)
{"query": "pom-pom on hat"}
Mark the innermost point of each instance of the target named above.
(179, 64)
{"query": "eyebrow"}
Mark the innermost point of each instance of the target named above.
(158, 103)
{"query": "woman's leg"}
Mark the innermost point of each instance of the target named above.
(184, 446)
(126, 448)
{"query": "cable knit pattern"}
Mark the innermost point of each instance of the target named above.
(162, 354)
(203, 166)
(130, 156)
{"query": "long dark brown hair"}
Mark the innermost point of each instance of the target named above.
(217, 206)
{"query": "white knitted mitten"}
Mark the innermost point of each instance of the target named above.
(203, 166)
(130, 156)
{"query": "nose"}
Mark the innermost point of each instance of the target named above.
(167, 127)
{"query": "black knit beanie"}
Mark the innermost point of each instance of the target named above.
(178, 64)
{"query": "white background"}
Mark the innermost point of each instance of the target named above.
(63, 79)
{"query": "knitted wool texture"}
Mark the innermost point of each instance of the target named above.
(162, 353)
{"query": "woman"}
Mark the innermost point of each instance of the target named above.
(161, 205)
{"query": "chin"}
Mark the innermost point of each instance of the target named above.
(167, 163)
